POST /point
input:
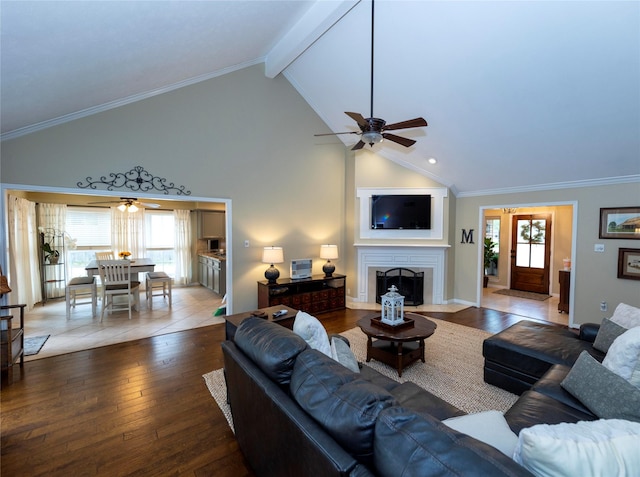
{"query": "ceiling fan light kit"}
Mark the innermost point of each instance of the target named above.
(127, 204)
(372, 130)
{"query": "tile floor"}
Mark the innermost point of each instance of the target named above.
(192, 307)
(542, 310)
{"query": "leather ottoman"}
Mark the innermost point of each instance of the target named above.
(517, 357)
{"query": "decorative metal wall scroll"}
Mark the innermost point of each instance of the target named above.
(137, 179)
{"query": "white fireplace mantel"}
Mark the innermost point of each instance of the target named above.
(382, 256)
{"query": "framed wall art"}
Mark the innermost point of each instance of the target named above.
(629, 263)
(620, 223)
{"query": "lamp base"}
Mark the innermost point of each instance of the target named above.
(328, 269)
(272, 274)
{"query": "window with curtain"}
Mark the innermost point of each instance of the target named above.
(160, 240)
(166, 238)
(90, 227)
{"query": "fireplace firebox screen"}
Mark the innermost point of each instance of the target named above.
(410, 285)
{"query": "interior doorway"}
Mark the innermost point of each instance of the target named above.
(498, 224)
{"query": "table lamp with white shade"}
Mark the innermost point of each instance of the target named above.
(272, 255)
(330, 252)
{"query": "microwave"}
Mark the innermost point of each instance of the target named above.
(213, 244)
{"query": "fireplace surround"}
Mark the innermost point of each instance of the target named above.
(415, 257)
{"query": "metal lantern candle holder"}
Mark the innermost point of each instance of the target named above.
(392, 307)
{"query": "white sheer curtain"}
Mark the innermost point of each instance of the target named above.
(127, 230)
(24, 266)
(182, 245)
(52, 220)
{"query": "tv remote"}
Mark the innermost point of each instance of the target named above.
(279, 313)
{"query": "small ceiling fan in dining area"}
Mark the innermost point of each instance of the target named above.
(128, 204)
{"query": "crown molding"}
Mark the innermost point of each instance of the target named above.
(605, 181)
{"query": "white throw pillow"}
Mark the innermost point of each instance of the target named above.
(623, 357)
(626, 315)
(489, 427)
(341, 352)
(586, 448)
(311, 330)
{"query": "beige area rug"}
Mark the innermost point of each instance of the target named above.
(452, 371)
(522, 294)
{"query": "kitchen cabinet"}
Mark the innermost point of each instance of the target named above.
(212, 273)
(211, 224)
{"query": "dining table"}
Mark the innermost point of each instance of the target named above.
(138, 265)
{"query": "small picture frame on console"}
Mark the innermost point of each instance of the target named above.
(629, 263)
(620, 223)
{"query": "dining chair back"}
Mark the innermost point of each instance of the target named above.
(116, 281)
(105, 255)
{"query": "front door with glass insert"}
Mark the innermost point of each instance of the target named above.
(530, 252)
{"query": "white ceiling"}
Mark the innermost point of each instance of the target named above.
(519, 95)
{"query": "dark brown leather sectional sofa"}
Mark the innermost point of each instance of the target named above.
(297, 412)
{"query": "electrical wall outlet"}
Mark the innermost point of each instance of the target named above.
(603, 306)
(599, 247)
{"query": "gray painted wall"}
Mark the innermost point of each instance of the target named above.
(242, 137)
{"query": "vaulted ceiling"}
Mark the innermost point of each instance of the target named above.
(519, 95)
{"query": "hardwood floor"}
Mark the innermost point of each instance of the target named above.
(140, 408)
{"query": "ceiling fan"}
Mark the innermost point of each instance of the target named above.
(128, 204)
(372, 129)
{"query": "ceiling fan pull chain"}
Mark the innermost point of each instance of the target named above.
(372, 22)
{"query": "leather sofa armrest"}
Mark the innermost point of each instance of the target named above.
(588, 332)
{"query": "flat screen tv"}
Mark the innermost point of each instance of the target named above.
(397, 212)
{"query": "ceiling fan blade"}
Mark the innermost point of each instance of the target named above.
(357, 117)
(107, 202)
(333, 134)
(147, 204)
(411, 123)
(406, 142)
(360, 145)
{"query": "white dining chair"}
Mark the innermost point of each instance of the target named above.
(157, 280)
(116, 281)
(81, 286)
(105, 255)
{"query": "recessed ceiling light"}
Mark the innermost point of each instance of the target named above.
(432, 160)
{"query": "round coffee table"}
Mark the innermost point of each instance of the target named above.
(398, 347)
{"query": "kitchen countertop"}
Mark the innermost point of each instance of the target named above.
(215, 255)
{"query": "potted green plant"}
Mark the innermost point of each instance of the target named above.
(50, 255)
(490, 258)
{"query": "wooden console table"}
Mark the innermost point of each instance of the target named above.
(11, 342)
(565, 287)
(313, 295)
(231, 322)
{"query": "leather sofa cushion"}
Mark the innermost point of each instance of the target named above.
(411, 396)
(273, 348)
(531, 348)
(341, 401)
(534, 408)
(411, 444)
